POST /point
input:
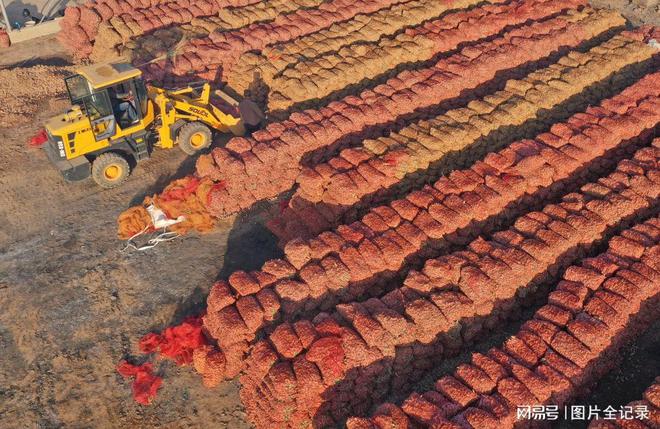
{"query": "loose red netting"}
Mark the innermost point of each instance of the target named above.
(145, 384)
(38, 139)
(176, 342)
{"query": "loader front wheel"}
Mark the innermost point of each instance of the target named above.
(193, 137)
(110, 170)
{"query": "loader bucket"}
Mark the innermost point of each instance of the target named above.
(251, 115)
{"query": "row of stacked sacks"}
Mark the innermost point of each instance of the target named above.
(175, 23)
(599, 306)
(263, 11)
(425, 149)
(466, 198)
(273, 60)
(165, 21)
(366, 350)
(221, 50)
(266, 164)
(645, 412)
(365, 258)
(80, 24)
(324, 75)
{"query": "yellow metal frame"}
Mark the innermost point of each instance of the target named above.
(181, 104)
(77, 125)
(170, 106)
(107, 74)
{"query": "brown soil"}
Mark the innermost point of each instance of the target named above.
(20, 101)
(44, 49)
(72, 304)
(638, 12)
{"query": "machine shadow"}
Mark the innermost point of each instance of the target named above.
(249, 244)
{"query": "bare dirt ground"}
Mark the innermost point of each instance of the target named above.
(73, 305)
(637, 11)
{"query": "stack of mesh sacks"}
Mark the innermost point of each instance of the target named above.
(342, 265)
(268, 163)
(599, 307)
(221, 50)
(324, 75)
(424, 149)
(276, 58)
(80, 25)
(346, 361)
(183, 22)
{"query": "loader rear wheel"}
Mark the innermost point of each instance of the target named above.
(110, 170)
(193, 137)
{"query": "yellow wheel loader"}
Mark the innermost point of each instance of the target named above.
(116, 120)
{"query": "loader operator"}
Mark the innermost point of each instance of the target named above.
(123, 106)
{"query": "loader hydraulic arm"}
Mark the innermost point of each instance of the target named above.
(191, 103)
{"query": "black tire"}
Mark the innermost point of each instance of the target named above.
(110, 170)
(193, 137)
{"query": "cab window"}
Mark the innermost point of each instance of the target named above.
(97, 105)
(125, 104)
(99, 110)
(77, 87)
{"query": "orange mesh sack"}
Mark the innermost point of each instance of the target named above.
(133, 221)
(187, 197)
(184, 197)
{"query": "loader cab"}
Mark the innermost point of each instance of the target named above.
(108, 128)
(114, 99)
